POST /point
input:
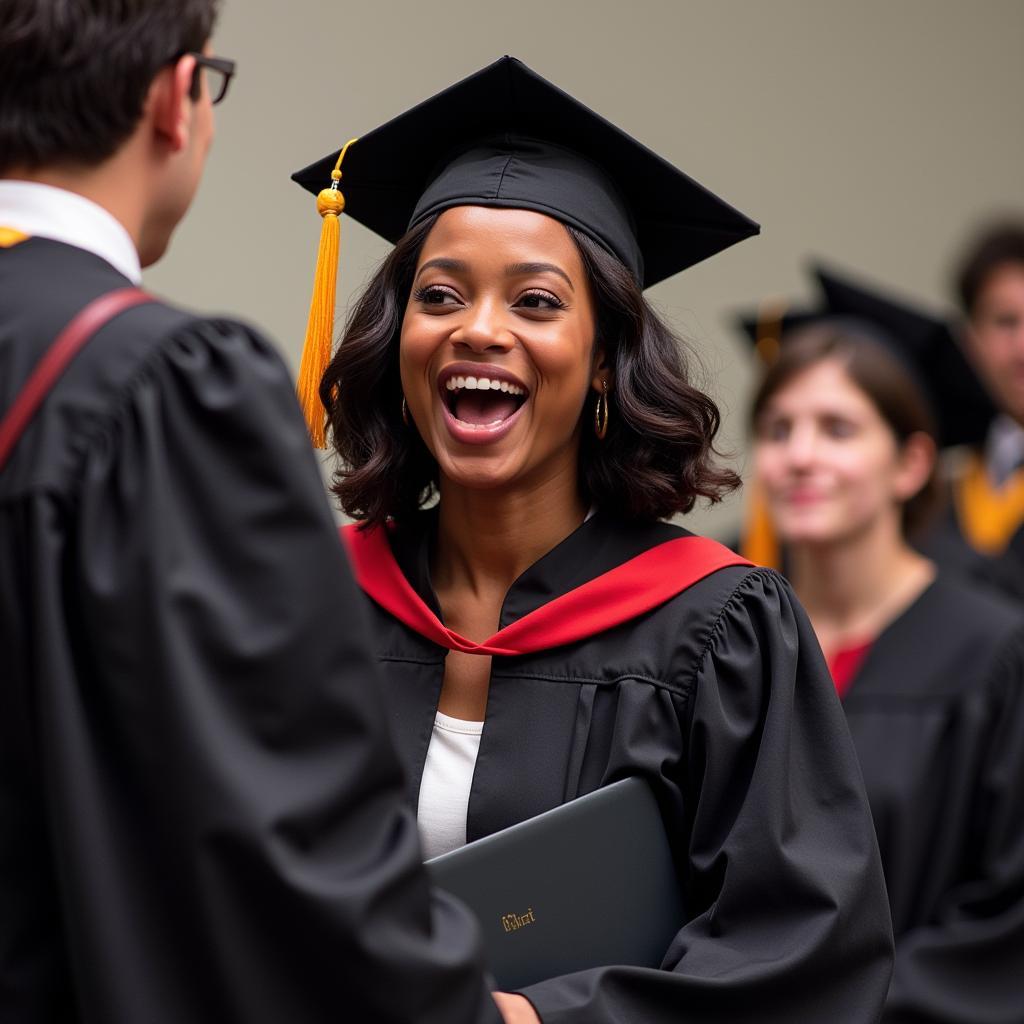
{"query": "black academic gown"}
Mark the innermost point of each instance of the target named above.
(937, 716)
(721, 699)
(945, 544)
(1008, 570)
(201, 815)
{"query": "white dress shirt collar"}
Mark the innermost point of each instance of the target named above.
(48, 212)
(1004, 449)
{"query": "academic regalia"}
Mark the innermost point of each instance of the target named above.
(201, 817)
(935, 705)
(936, 711)
(607, 664)
(1008, 568)
(721, 699)
(979, 530)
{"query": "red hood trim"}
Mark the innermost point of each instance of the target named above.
(624, 593)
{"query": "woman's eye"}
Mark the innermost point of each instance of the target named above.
(840, 429)
(540, 300)
(773, 430)
(436, 295)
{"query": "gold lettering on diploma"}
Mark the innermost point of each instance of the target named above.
(513, 922)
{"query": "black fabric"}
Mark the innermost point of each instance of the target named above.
(512, 171)
(1008, 568)
(922, 342)
(505, 136)
(937, 716)
(721, 699)
(945, 543)
(201, 816)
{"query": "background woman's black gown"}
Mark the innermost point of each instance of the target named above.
(937, 716)
(721, 698)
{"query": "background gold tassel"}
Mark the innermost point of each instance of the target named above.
(316, 351)
(758, 540)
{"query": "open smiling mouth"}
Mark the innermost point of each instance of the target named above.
(481, 403)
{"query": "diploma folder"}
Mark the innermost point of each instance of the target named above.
(587, 884)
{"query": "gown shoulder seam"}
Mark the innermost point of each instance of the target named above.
(758, 572)
(147, 368)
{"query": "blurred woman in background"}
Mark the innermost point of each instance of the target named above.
(930, 669)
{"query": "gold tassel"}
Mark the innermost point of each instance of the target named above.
(316, 350)
(769, 330)
(758, 542)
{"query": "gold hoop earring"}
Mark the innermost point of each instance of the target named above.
(405, 411)
(601, 412)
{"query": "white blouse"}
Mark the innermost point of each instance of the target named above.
(444, 788)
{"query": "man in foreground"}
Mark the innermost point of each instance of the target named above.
(201, 818)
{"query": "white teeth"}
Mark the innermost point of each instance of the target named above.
(482, 384)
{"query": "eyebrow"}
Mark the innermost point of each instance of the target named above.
(519, 269)
(444, 263)
(511, 270)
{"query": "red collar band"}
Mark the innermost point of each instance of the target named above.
(629, 590)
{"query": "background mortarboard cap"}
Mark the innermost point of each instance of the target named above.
(772, 322)
(676, 221)
(923, 343)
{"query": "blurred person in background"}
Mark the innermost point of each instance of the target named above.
(201, 814)
(983, 528)
(930, 668)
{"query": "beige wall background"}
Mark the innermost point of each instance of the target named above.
(874, 133)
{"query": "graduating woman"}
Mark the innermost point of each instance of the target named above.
(930, 669)
(542, 630)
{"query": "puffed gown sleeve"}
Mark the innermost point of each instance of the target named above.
(787, 918)
(232, 839)
(966, 966)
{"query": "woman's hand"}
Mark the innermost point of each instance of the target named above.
(516, 1009)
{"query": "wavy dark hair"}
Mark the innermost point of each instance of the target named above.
(658, 456)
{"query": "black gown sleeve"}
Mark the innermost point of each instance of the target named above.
(787, 914)
(232, 839)
(966, 966)
(1007, 569)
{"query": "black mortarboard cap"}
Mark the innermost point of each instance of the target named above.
(922, 342)
(506, 137)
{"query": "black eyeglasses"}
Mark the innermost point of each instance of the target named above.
(217, 71)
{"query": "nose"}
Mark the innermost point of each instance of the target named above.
(802, 446)
(484, 328)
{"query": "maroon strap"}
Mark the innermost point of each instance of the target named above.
(56, 359)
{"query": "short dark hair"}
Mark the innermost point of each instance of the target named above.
(995, 246)
(76, 72)
(658, 456)
(882, 376)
